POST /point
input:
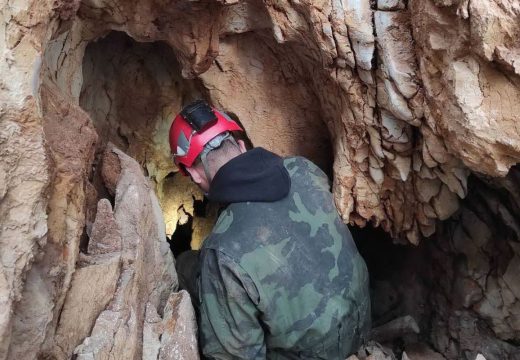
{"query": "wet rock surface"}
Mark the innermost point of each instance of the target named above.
(400, 101)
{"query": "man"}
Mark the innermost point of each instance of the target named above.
(280, 277)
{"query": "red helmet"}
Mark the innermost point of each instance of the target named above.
(193, 128)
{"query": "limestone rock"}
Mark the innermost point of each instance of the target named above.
(421, 351)
(358, 17)
(110, 170)
(461, 92)
(105, 236)
(91, 289)
(339, 80)
(404, 79)
(179, 336)
(399, 101)
(375, 351)
(478, 294)
(147, 276)
(397, 52)
(390, 4)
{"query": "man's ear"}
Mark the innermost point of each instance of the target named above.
(242, 146)
(196, 176)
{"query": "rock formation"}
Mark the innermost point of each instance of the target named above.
(476, 262)
(400, 101)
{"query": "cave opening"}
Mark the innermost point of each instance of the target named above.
(389, 266)
(458, 283)
(461, 284)
(131, 91)
(400, 283)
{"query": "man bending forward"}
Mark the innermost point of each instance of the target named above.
(280, 276)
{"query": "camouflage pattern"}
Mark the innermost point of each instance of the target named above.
(283, 280)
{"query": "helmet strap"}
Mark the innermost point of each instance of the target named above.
(205, 165)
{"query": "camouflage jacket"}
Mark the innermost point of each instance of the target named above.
(283, 279)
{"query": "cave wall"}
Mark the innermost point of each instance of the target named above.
(475, 267)
(131, 91)
(460, 285)
(415, 95)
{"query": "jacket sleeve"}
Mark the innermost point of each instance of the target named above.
(229, 324)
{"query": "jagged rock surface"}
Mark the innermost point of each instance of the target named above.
(476, 259)
(461, 284)
(407, 97)
(133, 237)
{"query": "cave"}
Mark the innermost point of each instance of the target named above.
(131, 91)
(408, 106)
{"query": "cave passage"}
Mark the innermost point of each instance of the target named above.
(180, 241)
(131, 91)
(192, 228)
(399, 280)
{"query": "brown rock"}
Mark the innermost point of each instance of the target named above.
(110, 170)
(105, 236)
(400, 129)
(179, 336)
(147, 274)
(420, 351)
(91, 289)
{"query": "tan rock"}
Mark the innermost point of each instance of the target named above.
(445, 204)
(465, 93)
(421, 351)
(436, 102)
(394, 40)
(105, 236)
(358, 17)
(111, 170)
(179, 336)
(511, 276)
(32, 315)
(91, 289)
(151, 333)
(478, 292)
(147, 274)
(390, 4)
